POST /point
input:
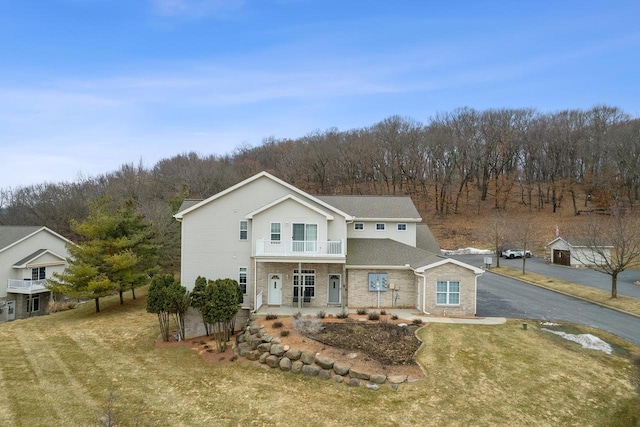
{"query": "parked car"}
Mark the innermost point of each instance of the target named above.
(516, 253)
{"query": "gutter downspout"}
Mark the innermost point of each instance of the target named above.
(424, 291)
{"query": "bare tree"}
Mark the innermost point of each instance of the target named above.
(496, 230)
(612, 243)
(523, 233)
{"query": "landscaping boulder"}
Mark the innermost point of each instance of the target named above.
(307, 357)
(397, 379)
(285, 364)
(341, 369)
(253, 329)
(353, 373)
(277, 349)
(293, 354)
(265, 346)
(254, 354)
(272, 361)
(354, 382)
(324, 362)
(243, 349)
(338, 378)
(311, 370)
(377, 378)
(373, 387)
(267, 338)
(263, 357)
(324, 374)
(296, 367)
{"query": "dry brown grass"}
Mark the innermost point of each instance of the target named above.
(59, 370)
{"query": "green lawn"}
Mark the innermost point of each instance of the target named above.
(59, 370)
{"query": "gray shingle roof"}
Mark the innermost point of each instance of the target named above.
(387, 252)
(10, 234)
(30, 257)
(363, 207)
(425, 239)
(187, 203)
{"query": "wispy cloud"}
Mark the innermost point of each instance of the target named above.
(196, 8)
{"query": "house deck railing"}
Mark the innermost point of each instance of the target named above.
(300, 248)
(26, 286)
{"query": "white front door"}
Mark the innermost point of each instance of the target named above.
(334, 289)
(11, 310)
(275, 289)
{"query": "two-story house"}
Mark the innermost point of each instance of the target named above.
(288, 247)
(28, 256)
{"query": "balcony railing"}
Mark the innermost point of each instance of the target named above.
(26, 286)
(304, 248)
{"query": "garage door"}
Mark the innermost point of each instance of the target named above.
(561, 257)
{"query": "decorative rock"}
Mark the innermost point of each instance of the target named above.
(307, 357)
(338, 378)
(272, 361)
(352, 355)
(341, 369)
(296, 367)
(354, 382)
(254, 355)
(275, 341)
(263, 357)
(397, 379)
(277, 349)
(254, 343)
(254, 329)
(412, 379)
(394, 387)
(324, 362)
(286, 347)
(357, 374)
(261, 333)
(324, 374)
(311, 370)
(285, 364)
(377, 378)
(267, 338)
(293, 354)
(241, 338)
(243, 349)
(265, 346)
(373, 387)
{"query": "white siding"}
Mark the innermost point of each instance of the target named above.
(41, 240)
(407, 237)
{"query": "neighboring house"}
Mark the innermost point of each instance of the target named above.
(287, 247)
(576, 253)
(28, 256)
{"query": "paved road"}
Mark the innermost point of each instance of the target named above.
(502, 296)
(583, 276)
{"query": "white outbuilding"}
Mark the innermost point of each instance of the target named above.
(577, 253)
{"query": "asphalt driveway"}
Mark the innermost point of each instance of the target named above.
(503, 296)
(582, 276)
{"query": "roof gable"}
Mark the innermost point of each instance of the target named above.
(36, 255)
(293, 198)
(191, 207)
(579, 243)
(11, 235)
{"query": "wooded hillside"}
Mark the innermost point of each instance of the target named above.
(460, 164)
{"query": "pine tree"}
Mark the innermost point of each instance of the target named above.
(116, 254)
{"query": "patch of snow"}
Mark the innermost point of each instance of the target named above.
(466, 251)
(585, 340)
(549, 324)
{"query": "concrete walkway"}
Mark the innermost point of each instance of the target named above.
(402, 313)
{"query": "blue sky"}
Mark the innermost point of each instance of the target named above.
(88, 85)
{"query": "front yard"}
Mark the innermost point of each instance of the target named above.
(61, 370)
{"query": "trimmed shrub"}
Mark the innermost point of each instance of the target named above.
(321, 314)
(297, 315)
(361, 311)
(374, 315)
(271, 316)
(383, 312)
(284, 333)
(277, 325)
(417, 321)
(344, 315)
(394, 316)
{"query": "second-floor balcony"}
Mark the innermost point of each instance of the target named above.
(26, 286)
(300, 248)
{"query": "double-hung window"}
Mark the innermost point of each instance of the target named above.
(38, 273)
(34, 304)
(380, 226)
(447, 292)
(358, 226)
(244, 229)
(402, 227)
(276, 232)
(242, 279)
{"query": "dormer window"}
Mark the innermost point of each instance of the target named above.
(358, 226)
(380, 226)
